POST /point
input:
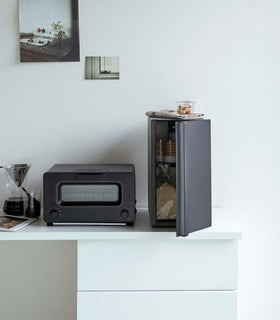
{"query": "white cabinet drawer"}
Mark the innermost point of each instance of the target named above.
(188, 305)
(157, 265)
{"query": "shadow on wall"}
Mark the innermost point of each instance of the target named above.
(129, 147)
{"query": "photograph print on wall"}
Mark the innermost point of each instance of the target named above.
(102, 68)
(49, 30)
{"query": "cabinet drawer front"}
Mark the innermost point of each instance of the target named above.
(189, 305)
(157, 265)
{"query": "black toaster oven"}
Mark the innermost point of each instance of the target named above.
(89, 193)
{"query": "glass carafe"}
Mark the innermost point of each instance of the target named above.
(16, 199)
(3, 188)
(166, 194)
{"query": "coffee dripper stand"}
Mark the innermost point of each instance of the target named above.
(16, 200)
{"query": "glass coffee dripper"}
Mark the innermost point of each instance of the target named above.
(17, 196)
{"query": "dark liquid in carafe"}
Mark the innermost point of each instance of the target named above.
(14, 206)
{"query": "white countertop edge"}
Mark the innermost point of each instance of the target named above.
(77, 236)
(222, 229)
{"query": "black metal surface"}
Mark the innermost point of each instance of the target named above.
(124, 175)
(193, 176)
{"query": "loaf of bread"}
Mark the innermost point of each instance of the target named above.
(166, 202)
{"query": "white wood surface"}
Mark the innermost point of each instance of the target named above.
(157, 305)
(223, 228)
(157, 265)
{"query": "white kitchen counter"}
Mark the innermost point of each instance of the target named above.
(223, 228)
(125, 274)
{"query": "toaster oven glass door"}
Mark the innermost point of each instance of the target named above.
(90, 194)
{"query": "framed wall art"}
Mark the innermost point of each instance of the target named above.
(102, 68)
(49, 30)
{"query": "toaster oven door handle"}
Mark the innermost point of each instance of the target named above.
(87, 176)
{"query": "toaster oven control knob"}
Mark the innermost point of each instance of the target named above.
(53, 214)
(124, 214)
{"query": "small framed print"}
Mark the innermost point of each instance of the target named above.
(102, 68)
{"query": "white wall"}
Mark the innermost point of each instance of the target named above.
(222, 53)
